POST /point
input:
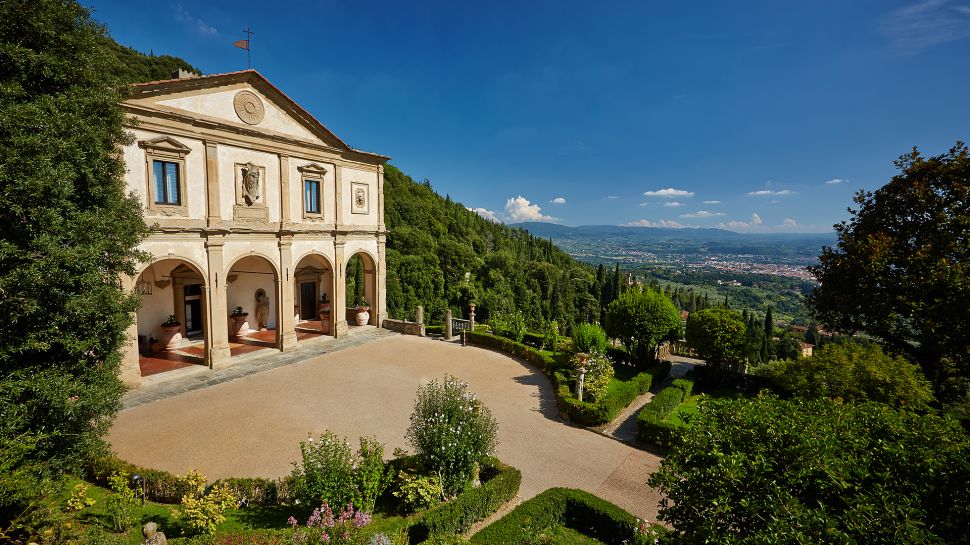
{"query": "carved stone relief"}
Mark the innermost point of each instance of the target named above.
(248, 107)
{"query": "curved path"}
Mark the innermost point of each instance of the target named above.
(252, 426)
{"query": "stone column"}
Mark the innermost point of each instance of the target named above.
(130, 373)
(338, 201)
(380, 198)
(212, 184)
(339, 306)
(448, 324)
(217, 328)
(471, 316)
(285, 326)
(380, 280)
(419, 315)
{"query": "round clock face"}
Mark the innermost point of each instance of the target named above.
(248, 107)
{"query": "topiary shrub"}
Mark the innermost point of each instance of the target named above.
(685, 385)
(589, 338)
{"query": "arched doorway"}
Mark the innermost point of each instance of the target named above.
(172, 319)
(252, 298)
(313, 296)
(360, 282)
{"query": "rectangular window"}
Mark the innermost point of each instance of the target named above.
(166, 182)
(311, 196)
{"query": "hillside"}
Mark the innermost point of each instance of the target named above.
(597, 243)
(130, 66)
(440, 254)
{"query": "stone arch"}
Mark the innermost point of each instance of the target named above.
(247, 277)
(368, 276)
(171, 286)
(313, 277)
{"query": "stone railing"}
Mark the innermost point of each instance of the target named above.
(404, 326)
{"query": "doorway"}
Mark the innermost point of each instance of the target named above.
(193, 310)
(308, 300)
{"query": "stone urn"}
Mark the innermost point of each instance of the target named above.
(363, 315)
(171, 333)
(239, 326)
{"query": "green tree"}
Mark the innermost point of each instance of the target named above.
(765, 470)
(718, 335)
(641, 319)
(901, 269)
(768, 346)
(854, 372)
(69, 234)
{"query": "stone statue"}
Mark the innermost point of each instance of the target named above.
(262, 309)
(152, 535)
(250, 183)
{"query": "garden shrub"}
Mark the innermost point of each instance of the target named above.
(535, 340)
(653, 424)
(417, 492)
(203, 510)
(500, 484)
(619, 355)
(451, 431)
(257, 491)
(508, 324)
(599, 373)
(685, 385)
(589, 338)
(572, 508)
(121, 502)
(434, 330)
(330, 472)
(160, 486)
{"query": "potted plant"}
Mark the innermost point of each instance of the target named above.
(153, 345)
(238, 320)
(171, 332)
(363, 311)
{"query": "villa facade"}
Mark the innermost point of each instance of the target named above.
(256, 210)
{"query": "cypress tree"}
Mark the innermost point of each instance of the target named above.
(767, 346)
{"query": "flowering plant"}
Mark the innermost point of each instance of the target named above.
(451, 431)
(332, 473)
(323, 527)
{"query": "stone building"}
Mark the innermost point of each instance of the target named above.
(254, 205)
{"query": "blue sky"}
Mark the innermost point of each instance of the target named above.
(753, 116)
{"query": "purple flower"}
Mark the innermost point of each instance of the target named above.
(292, 522)
(327, 515)
(361, 519)
(314, 519)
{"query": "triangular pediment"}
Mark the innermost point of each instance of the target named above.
(243, 101)
(312, 168)
(165, 143)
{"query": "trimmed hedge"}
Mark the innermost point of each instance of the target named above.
(500, 483)
(576, 509)
(618, 396)
(434, 330)
(684, 384)
(653, 426)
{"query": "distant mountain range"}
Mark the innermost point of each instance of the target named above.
(611, 242)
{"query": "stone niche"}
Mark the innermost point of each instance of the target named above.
(250, 205)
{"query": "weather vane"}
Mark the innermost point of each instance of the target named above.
(244, 44)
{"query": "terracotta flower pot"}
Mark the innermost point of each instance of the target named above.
(171, 336)
(363, 316)
(239, 325)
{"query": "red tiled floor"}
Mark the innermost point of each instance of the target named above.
(161, 362)
(196, 350)
(267, 336)
(236, 349)
(309, 329)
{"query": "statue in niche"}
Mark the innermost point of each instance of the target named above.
(262, 309)
(250, 183)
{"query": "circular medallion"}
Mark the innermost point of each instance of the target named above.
(360, 198)
(248, 107)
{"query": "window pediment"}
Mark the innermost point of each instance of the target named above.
(166, 145)
(312, 169)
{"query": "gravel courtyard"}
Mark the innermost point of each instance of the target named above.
(252, 426)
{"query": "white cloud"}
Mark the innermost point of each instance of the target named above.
(712, 202)
(669, 193)
(612, 197)
(558, 200)
(735, 224)
(702, 214)
(766, 192)
(644, 203)
(789, 223)
(648, 223)
(834, 181)
(200, 26)
(925, 24)
(485, 213)
(520, 209)
(673, 204)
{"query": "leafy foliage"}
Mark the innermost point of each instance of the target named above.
(641, 319)
(589, 338)
(599, 374)
(331, 473)
(901, 270)
(68, 234)
(451, 431)
(854, 372)
(508, 324)
(718, 334)
(766, 470)
(204, 510)
(418, 492)
(121, 503)
(433, 242)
